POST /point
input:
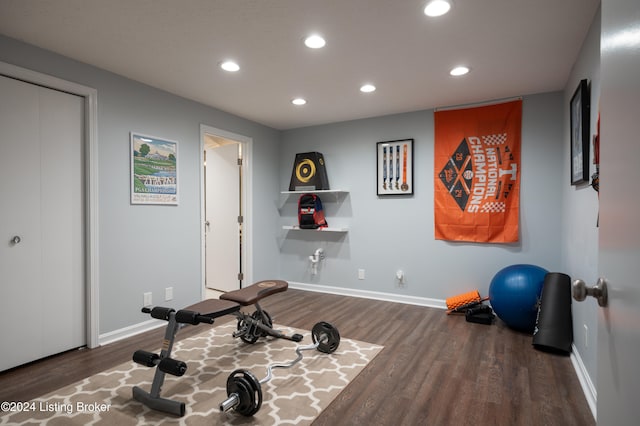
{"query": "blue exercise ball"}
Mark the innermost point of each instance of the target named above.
(514, 294)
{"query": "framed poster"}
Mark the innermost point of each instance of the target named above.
(394, 170)
(579, 113)
(154, 170)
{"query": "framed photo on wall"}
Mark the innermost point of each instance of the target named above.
(154, 170)
(394, 170)
(579, 112)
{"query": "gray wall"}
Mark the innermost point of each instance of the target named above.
(580, 207)
(148, 248)
(387, 234)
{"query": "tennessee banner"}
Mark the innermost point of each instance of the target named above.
(477, 173)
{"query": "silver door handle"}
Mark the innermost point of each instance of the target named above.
(599, 291)
(16, 239)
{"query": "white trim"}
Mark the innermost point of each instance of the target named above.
(590, 392)
(130, 331)
(91, 181)
(374, 295)
(588, 388)
(247, 203)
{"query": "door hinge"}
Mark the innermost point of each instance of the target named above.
(239, 161)
(240, 219)
(240, 276)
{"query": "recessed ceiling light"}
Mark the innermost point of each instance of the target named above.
(458, 71)
(314, 41)
(437, 8)
(230, 66)
(298, 101)
(367, 88)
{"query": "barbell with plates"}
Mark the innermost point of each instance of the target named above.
(244, 391)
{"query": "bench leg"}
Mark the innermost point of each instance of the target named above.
(259, 324)
(153, 399)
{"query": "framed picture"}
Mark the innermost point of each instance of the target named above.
(579, 113)
(394, 171)
(154, 170)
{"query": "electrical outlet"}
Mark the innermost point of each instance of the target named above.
(168, 293)
(147, 299)
(586, 336)
(361, 274)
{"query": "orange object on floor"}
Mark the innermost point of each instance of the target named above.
(463, 299)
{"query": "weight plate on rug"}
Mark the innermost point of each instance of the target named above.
(248, 330)
(247, 387)
(265, 319)
(327, 337)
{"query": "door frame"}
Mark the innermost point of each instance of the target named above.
(90, 165)
(247, 207)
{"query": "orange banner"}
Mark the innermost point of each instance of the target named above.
(477, 173)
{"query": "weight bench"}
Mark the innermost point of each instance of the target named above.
(250, 328)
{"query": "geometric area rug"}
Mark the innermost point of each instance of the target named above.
(294, 396)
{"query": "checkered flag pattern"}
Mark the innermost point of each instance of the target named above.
(493, 208)
(498, 139)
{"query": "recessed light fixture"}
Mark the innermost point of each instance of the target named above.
(230, 66)
(437, 8)
(458, 71)
(298, 101)
(368, 88)
(314, 41)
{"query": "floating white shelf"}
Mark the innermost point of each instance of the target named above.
(319, 191)
(297, 228)
(335, 192)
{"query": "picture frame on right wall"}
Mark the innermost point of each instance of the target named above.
(579, 110)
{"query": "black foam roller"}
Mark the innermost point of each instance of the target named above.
(554, 325)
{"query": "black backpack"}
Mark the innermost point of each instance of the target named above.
(310, 212)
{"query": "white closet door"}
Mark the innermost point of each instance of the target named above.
(222, 210)
(42, 290)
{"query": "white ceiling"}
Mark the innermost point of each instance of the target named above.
(513, 47)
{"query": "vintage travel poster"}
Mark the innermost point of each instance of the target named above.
(154, 172)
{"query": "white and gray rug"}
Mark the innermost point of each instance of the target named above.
(294, 396)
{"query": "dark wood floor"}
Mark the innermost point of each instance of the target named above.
(434, 370)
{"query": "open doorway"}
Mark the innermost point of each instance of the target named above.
(225, 184)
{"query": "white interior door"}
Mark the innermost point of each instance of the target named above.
(42, 307)
(618, 381)
(222, 210)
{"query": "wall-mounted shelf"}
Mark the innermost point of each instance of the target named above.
(319, 191)
(328, 229)
(336, 193)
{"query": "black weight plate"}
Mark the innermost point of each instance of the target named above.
(265, 319)
(242, 388)
(248, 389)
(332, 337)
(249, 331)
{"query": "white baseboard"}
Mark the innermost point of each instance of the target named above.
(375, 295)
(585, 380)
(583, 376)
(132, 330)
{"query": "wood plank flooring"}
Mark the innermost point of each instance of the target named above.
(434, 370)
